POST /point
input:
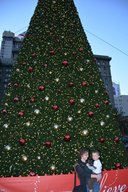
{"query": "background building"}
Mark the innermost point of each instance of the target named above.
(10, 48)
(116, 89)
(121, 103)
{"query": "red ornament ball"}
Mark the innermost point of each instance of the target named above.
(30, 69)
(106, 102)
(117, 139)
(67, 138)
(91, 83)
(4, 111)
(55, 107)
(84, 83)
(90, 114)
(52, 52)
(34, 54)
(22, 141)
(32, 173)
(16, 99)
(21, 113)
(65, 63)
(48, 144)
(71, 84)
(72, 101)
(97, 105)
(118, 165)
(81, 49)
(32, 99)
(41, 88)
(102, 140)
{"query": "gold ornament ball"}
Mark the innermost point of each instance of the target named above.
(8, 147)
(24, 158)
(28, 123)
(37, 111)
(102, 123)
(53, 167)
(46, 98)
(82, 100)
(70, 118)
(85, 132)
(56, 126)
(5, 125)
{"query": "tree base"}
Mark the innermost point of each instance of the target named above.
(112, 181)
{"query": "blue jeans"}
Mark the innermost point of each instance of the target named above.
(96, 187)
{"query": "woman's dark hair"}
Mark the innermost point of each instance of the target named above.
(82, 151)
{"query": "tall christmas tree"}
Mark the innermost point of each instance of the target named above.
(56, 102)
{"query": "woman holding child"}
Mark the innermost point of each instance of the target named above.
(89, 175)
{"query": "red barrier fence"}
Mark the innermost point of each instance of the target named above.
(112, 181)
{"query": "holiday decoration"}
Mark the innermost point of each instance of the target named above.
(32, 173)
(102, 140)
(22, 141)
(67, 138)
(41, 88)
(21, 114)
(117, 139)
(72, 101)
(52, 52)
(16, 99)
(8, 147)
(24, 158)
(37, 111)
(71, 84)
(56, 102)
(85, 132)
(90, 114)
(5, 125)
(30, 69)
(65, 63)
(97, 105)
(32, 99)
(55, 107)
(48, 143)
(118, 165)
(84, 83)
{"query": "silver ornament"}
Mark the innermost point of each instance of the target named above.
(57, 79)
(17, 70)
(56, 126)
(38, 157)
(5, 125)
(70, 118)
(28, 123)
(102, 123)
(81, 68)
(82, 100)
(53, 167)
(85, 132)
(8, 147)
(37, 111)
(24, 158)
(46, 98)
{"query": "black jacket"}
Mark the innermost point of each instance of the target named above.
(84, 173)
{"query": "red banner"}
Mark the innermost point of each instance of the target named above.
(112, 181)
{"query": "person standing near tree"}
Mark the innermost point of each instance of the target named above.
(84, 173)
(96, 167)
